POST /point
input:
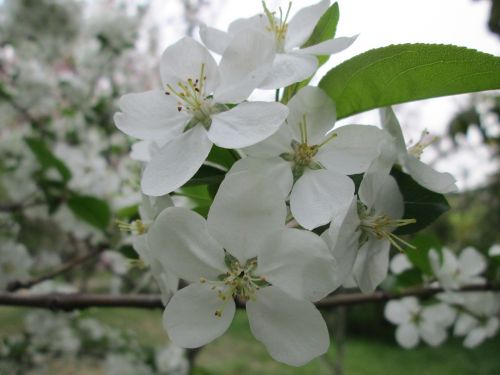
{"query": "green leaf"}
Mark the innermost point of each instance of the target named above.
(421, 204)
(46, 158)
(409, 278)
(93, 210)
(206, 175)
(325, 29)
(420, 255)
(222, 156)
(408, 72)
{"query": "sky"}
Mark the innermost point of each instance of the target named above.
(380, 23)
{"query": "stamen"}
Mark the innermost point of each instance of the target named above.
(136, 227)
(330, 137)
(303, 130)
(418, 148)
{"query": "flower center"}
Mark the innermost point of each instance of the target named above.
(303, 153)
(381, 227)
(238, 282)
(278, 26)
(191, 97)
(135, 227)
(424, 141)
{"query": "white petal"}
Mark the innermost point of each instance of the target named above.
(389, 200)
(329, 47)
(183, 60)
(289, 68)
(190, 319)
(180, 241)
(432, 334)
(407, 336)
(277, 144)
(258, 22)
(149, 115)
(244, 210)
(475, 337)
(464, 324)
(400, 263)
(397, 311)
(440, 314)
(141, 151)
(494, 250)
(318, 196)
(303, 23)
(353, 149)
(343, 239)
(372, 264)
(471, 261)
(491, 326)
(298, 262)
(151, 207)
(319, 112)
(176, 162)
(391, 124)
(275, 169)
(246, 62)
(440, 182)
(215, 40)
(292, 330)
(246, 124)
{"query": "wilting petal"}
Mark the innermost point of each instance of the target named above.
(150, 115)
(274, 169)
(183, 60)
(318, 110)
(298, 262)
(303, 23)
(245, 209)
(329, 47)
(352, 150)
(440, 182)
(318, 196)
(292, 330)
(190, 319)
(176, 162)
(180, 241)
(246, 62)
(246, 124)
(289, 68)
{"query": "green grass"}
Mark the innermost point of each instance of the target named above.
(238, 353)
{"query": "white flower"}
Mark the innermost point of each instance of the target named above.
(409, 158)
(477, 318)
(367, 225)
(15, 262)
(191, 114)
(244, 251)
(124, 364)
(305, 154)
(292, 63)
(454, 272)
(416, 322)
(171, 360)
(494, 250)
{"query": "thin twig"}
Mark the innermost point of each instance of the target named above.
(77, 301)
(16, 285)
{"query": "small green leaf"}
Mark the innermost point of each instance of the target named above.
(223, 156)
(407, 72)
(420, 204)
(325, 29)
(46, 158)
(93, 210)
(409, 278)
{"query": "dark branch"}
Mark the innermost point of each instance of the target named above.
(82, 301)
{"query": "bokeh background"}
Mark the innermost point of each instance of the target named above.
(63, 66)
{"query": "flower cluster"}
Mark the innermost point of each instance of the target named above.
(307, 206)
(473, 315)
